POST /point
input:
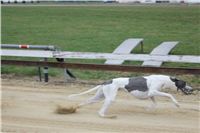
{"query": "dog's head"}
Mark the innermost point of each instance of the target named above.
(182, 85)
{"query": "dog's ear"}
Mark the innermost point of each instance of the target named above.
(173, 79)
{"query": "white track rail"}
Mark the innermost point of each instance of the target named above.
(106, 56)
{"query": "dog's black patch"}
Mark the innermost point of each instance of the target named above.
(107, 82)
(137, 83)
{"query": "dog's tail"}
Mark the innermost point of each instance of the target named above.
(85, 92)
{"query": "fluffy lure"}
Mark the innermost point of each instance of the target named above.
(66, 110)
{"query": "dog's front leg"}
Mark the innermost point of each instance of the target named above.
(158, 93)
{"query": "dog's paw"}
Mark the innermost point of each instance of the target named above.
(177, 105)
(107, 116)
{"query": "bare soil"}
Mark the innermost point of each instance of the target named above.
(29, 106)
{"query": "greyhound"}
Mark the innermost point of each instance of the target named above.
(144, 87)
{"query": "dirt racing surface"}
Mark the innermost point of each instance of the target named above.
(29, 106)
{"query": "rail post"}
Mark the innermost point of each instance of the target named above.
(39, 73)
(45, 71)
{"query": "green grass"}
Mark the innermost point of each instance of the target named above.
(102, 29)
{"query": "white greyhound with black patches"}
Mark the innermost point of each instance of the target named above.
(146, 87)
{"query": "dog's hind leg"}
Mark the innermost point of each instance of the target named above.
(104, 108)
(110, 92)
(153, 105)
(153, 102)
(96, 98)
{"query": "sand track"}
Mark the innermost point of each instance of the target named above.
(28, 107)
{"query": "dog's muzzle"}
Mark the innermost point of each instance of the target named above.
(186, 90)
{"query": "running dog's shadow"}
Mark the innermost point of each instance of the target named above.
(167, 110)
